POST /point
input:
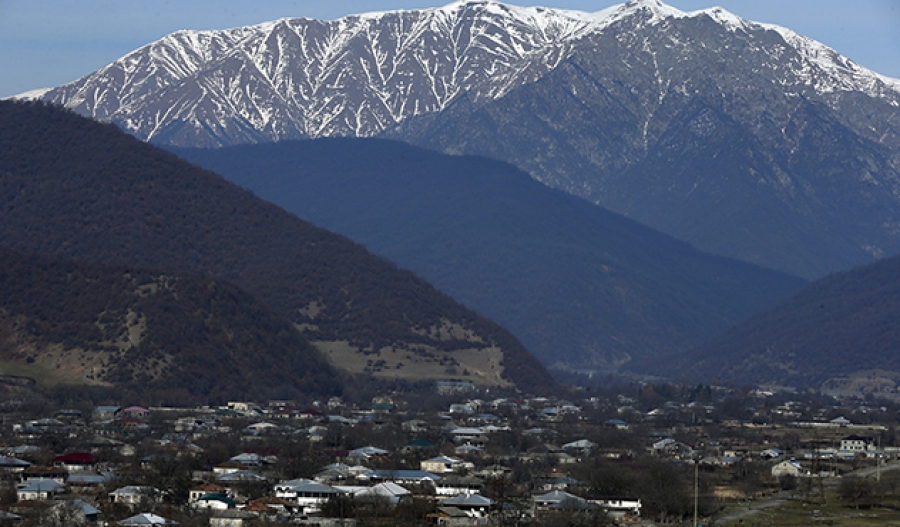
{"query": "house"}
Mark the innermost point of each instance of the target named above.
(387, 491)
(307, 493)
(790, 468)
(367, 452)
(269, 505)
(227, 467)
(461, 409)
(557, 499)
(260, 428)
(468, 435)
(618, 424)
(217, 502)
(244, 408)
(771, 453)
(232, 518)
(340, 472)
(12, 465)
(620, 508)
(454, 485)
(208, 488)
(581, 444)
(560, 483)
(453, 517)
(58, 474)
(136, 412)
(39, 489)
(249, 459)
(76, 461)
(410, 477)
(144, 519)
(474, 505)
(134, 495)
(442, 464)
(855, 443)
(8, 518)
(76, 511)
(106, 413)
(84, 481)
(467, 449)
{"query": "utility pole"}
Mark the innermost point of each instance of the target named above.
(696, 488)
(878, 459)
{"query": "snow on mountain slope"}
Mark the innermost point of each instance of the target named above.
(362, 74)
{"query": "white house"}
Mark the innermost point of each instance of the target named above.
(134, 495)
(306, 493)
(442, 464)
(620, 508)
(39, 489)
(790, 468)
(856, 443)
(144, 519)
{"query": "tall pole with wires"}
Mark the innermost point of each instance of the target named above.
(696, 488)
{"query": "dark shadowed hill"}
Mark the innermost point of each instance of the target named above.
(581, 286)
(172, 337)
(840, 328)
(73, 188)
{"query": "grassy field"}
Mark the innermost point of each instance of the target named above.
(64, 368)
(810, 511)
(481, 367)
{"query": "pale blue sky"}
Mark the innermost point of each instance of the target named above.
(45, 43)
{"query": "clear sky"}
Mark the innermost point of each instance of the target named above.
(45, 43)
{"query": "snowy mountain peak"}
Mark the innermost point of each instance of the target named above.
(362, 74)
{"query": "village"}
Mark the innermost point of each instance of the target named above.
(457, 456)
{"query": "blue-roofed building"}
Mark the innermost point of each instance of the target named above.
(402, 476)
(306, 493)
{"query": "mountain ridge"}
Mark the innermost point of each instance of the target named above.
(826, 334)
(80, 190)
(291, 63)
(582, 287)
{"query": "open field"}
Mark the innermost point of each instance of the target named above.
(818, 505)
(799, 513)
(482, 367)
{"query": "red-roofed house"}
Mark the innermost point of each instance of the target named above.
(76, 461)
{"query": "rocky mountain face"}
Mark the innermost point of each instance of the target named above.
(296, 78)
(744, 139)
(76, 189)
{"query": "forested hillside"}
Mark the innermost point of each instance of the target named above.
(831, 329)
(581, 286)
(73, 188)
(168, 336)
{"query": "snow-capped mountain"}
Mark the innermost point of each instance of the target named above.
(308, 78)
(360, 75)
(745, 139)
